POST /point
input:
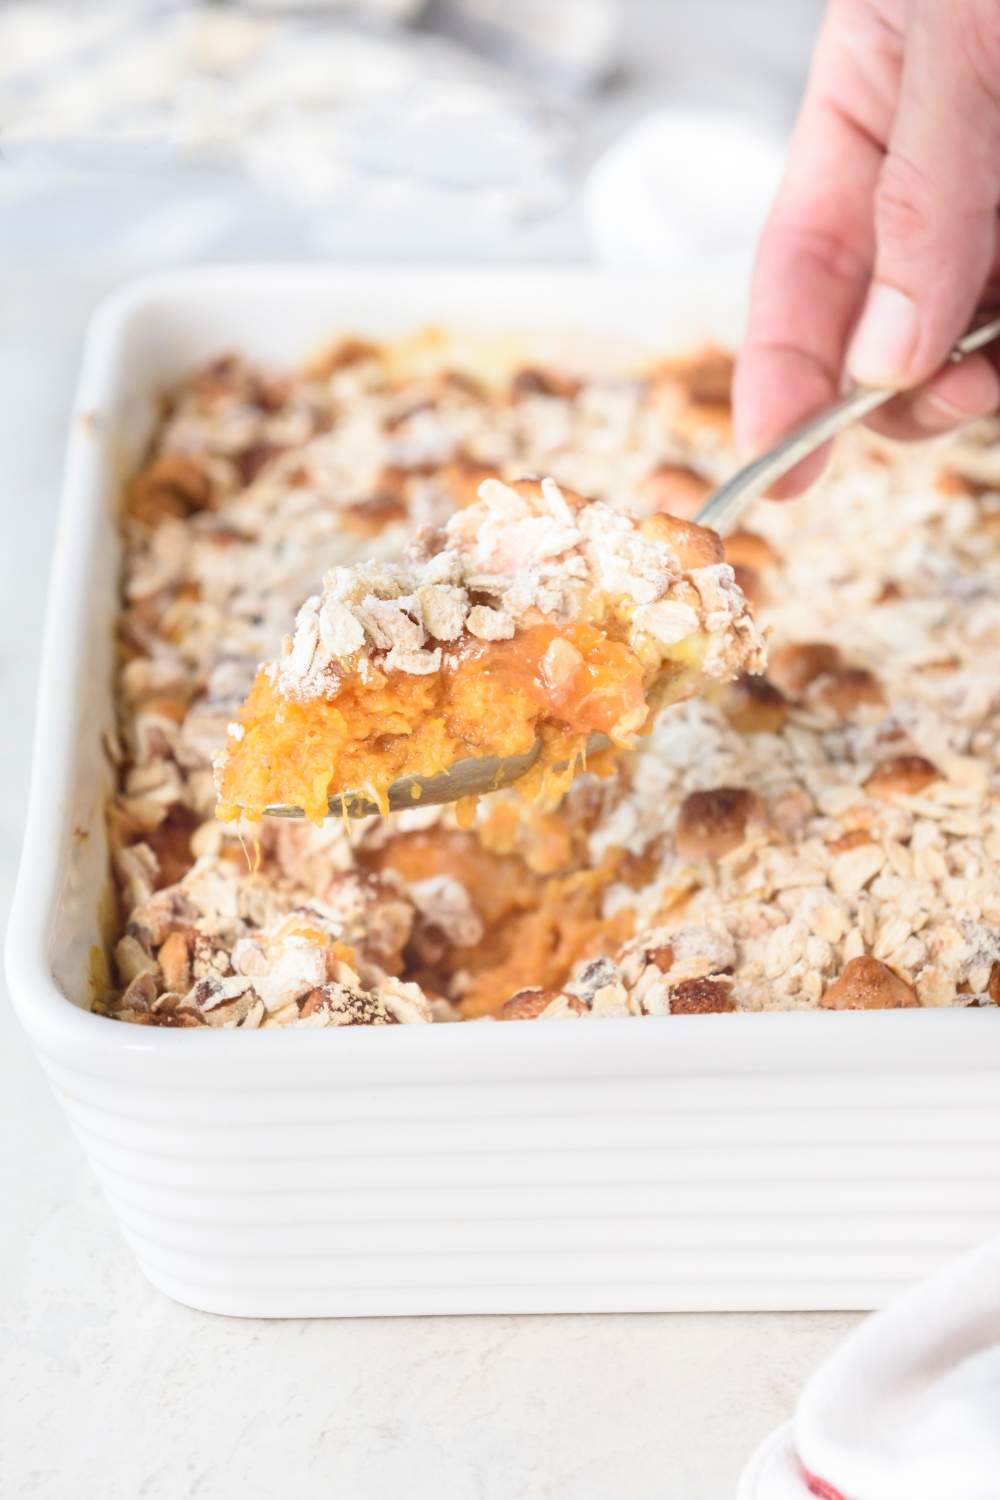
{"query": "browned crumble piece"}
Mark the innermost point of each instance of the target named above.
(753, 705)
(868, 984)
(700, 997)
(675, 490)
(903, 776)
(710, 824)
(795, 667)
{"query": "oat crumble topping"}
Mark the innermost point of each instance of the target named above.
(535, 614)
(825, 836)
(537, 553)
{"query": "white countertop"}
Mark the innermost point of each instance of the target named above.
(109, 1390)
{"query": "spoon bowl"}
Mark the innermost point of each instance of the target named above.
(473, 777)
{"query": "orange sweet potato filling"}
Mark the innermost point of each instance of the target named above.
(536, 927)
(490, 698)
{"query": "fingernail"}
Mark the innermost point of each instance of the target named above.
(885, 338)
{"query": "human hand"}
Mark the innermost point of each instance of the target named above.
(883, 239)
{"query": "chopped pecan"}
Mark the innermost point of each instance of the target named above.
(745, 549)
(463, 477)
(531, 488)
(868, 984)
(712, 823)
(272, 391)
(140, 994)
(637, 870)
(662, 957)
(131, 959)
(426, 946)
(231, 1012)
(794, 667)
(138, 870)
(748, 581)
(167, 911)
(850, 840)
(950, 483)
(221, 377)
(173, 485)
(426, 542)
(638, 956)
(125, 826)
(154, 737)
(526, 1005)
(180, 1016)
(170, 841)
(346, 1005)
(790, 810)
(753, 705)
(903, 776)
(849, 687)
(462, 380)
(143, 814)
(563, 1007)
(147, 679)
(706, 375)
(535, 382)
(350, 351)
(314, 1002)
(370, 517)
(852, 868)
(255, 458)
(700, 997)
(175, 961)
(376, 919)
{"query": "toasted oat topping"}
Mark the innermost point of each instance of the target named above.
(828, 836)
(867, 826)
(539, 554)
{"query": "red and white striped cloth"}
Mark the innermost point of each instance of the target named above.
(907, 1407)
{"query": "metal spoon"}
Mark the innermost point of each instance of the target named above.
(466, 778)
(731, 499)
(477, 776)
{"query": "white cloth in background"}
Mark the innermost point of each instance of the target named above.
(682, 190)
(907, 1407)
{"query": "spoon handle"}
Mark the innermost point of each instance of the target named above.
(724, 507)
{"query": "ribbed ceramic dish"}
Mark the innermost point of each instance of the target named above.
(709, 1162)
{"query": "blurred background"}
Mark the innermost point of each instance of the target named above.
(644, 133)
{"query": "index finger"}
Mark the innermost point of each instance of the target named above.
(812, 271)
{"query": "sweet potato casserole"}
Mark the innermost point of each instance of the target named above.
(825, 835)
(536, 618)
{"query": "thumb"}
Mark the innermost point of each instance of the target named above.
(937, 194)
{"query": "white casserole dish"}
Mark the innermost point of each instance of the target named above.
(689, 1162)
